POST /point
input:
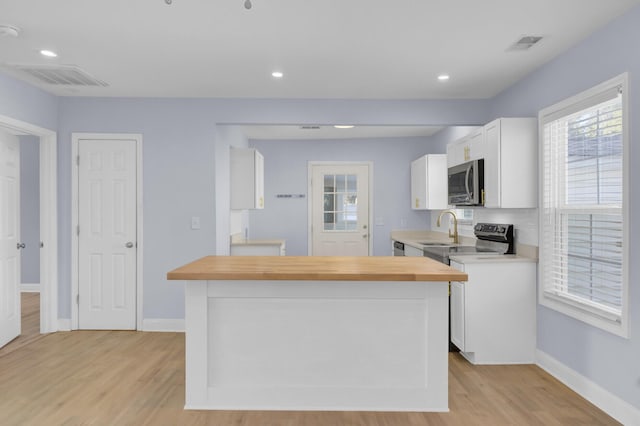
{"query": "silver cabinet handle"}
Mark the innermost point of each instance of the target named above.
(20, 246)
(129, 244)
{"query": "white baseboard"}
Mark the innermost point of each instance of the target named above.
(64, 324)
(161, 324)
(611, 404)
(30, 288)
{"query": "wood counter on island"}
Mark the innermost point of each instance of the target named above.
(316, 333)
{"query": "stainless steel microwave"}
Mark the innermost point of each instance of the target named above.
(466, 184)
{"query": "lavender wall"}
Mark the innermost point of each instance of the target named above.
(286, 170)
(608, 360)
(184, 153)
(23, 102)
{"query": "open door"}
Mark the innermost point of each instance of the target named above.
(9, 238)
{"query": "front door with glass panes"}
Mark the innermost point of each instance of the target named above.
(340, 210)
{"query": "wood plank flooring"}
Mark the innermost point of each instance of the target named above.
(30, 308)
(137, 378)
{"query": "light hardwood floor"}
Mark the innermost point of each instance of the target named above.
(137, 378)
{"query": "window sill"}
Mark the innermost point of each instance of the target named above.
(583, 315)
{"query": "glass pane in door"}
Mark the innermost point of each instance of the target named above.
(340, 202)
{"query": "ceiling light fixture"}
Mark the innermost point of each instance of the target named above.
(9, 31)
(277, 74)
(247, 4)
(344, 126)
(48, 53)
(443, 77)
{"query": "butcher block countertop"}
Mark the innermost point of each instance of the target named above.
(316, 268)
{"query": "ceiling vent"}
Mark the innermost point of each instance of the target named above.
(310, 127)
(525, 43)
(60, 75)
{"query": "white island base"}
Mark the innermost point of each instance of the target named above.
(317, 345)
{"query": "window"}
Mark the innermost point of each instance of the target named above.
(583, 247)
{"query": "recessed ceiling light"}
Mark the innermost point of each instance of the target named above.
(344, 126)
(443, 77)
(48, 53)
(277, 74)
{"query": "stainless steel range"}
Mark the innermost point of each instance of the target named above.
(492, 238)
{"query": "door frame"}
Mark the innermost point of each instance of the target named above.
(75, 205)
(48, 218)
(310, 166)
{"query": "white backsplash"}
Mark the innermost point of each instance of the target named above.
(525, 222)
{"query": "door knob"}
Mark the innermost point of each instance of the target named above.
(365, 236)
(20, 246)
(129, 244)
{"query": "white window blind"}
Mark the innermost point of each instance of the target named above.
(582, 220)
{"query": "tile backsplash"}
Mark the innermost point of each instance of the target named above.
(525, 222)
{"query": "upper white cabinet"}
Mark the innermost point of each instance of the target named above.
(509, 147)
(429, 182)
(511, 163)
(469, 148)
(247, 179)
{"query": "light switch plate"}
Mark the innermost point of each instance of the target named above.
(195, 222)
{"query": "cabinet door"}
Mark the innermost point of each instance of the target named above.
(259, 180)
(457, 314)
(429, 182)
(452, 154)
(456, 152)
(475, 145)
(247, 179)
(492, 165)
(419, 183)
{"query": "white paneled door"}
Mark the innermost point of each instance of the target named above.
(340, 209)
(9, 238)
(107, 234)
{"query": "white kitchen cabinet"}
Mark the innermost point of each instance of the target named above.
(468, 148)
(493, 314)
(412, 251)
(247, 179)
(457, 321)
(511, 163)
(429, 182)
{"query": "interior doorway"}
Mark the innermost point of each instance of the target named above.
(48, 223)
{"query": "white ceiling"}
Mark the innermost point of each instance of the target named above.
(334, 49)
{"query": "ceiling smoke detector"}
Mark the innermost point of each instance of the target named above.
(9, 31)
(525, 43)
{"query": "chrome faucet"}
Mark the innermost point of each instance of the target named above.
(456, 240)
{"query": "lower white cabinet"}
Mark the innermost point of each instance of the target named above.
(493, 315)
(457, 320)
